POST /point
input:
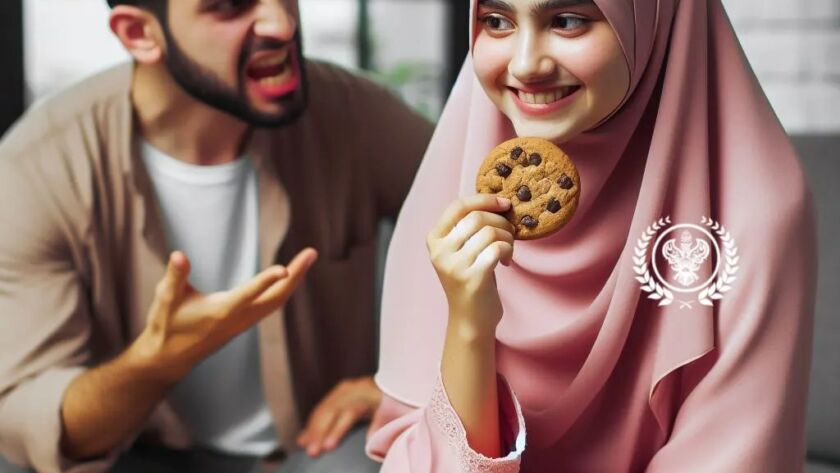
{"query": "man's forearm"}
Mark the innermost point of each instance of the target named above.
(106, 404)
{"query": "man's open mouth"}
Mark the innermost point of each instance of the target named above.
(269, 70)
(274, 74)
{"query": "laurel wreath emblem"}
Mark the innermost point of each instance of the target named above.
(650, 285)
(713, 291)
(727, 276)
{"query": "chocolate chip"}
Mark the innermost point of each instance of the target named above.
(503, 169)
(535, 159)
(565, 182)
(553, 206)
(515, 153)
(524, 194)
(529, 221)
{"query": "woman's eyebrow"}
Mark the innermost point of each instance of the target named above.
(496, 5)
(558, 4)
(537, 8)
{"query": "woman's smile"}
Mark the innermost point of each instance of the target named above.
(546, 101)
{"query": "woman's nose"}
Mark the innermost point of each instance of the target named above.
(530, 62)
(275, 19)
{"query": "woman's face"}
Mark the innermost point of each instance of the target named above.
(555, 68)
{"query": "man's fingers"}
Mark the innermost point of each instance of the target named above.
(297, 269)
(459, 209)
(174, 280)
(276, 277)
(257, 285)
(342, 425)
(301, 263)
(319, 425)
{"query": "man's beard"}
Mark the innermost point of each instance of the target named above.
(207, 87)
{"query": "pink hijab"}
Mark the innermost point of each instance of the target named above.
(695, 138)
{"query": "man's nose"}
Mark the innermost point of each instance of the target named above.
(276, 19)
(530, 62)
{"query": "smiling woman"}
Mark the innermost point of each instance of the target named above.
(486, 339)
(555, 68)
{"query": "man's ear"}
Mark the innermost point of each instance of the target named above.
(140, 33)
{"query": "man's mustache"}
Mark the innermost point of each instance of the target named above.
(258, 45)
(265, 44)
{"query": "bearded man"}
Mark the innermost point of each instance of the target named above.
(146, 321)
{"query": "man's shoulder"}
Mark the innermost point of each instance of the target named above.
(356, 89)
(338, 92)
(321, 74)
(94, 100)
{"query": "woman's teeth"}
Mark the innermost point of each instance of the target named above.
(544, 98)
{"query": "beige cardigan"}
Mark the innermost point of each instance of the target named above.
(81, 248)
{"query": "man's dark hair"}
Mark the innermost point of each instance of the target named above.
(158, 7)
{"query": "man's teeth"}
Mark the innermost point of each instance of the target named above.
(270, 61)
(275, 80)
(543, 98)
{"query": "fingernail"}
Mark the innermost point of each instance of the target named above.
(505, 203)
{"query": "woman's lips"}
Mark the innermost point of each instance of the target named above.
(544, 102)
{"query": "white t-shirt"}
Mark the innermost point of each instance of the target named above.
(211, 214)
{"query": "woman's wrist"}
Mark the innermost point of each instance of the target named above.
(470, 330)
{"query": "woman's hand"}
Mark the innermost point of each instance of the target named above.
(469, 240)
(467, 243)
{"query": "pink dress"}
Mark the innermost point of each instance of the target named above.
(597, 373)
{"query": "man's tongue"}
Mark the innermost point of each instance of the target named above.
(262, 72)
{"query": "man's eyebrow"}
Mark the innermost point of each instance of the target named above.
(205, 4)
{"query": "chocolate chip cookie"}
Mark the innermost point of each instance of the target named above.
(541, 181)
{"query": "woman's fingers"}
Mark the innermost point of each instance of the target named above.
(492, 255)
(461, 208)
(470, 225)
(481, 240)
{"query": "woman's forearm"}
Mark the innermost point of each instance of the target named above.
(469, 376)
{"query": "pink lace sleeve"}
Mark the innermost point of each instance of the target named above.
(432, 439)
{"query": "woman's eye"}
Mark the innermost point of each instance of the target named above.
(497, 22)
(568, 23)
